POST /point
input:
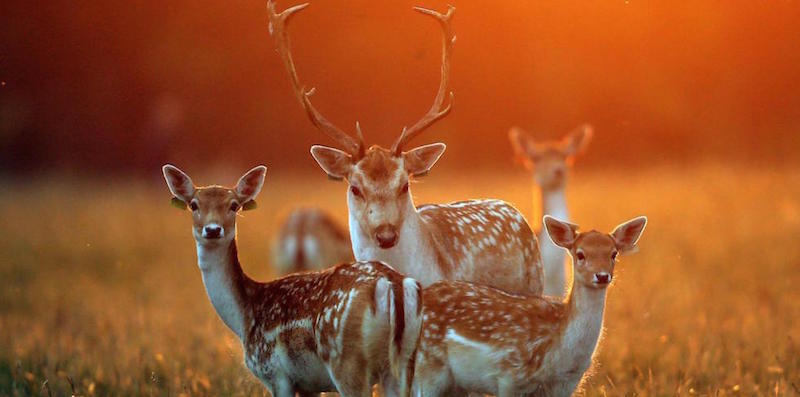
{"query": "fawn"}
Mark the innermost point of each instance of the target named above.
(480, 339)
(342, 329)
(550, 162)
(310, 239)
(485, 241)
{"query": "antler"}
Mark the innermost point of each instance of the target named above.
(277, 28)
(436, 111)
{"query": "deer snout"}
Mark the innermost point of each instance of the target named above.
(386, 236)
(213, 231)
(602, 278)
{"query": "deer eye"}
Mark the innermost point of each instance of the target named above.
(404, 189)
(193, 205)
(356, 192)
(614, 255)
(580, 256)
(234, 206)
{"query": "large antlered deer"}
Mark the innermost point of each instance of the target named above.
(342, 329)
(483, 241)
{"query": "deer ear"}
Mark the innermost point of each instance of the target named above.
(562, 233)
(577, 141)
(521, 143)
(627, 234)
(250, 183)
(418, 161)
(179, 183)
(336, 163)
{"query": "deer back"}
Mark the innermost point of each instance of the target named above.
(487, 242)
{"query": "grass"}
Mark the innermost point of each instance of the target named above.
(100, 287)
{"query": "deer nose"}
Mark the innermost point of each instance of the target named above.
(558, 173)
(212, 231)
(602, 278)
(386, 236)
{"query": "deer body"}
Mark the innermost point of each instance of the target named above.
(482, 241)
(310, 239)
(476, 338)
(550, 162)
(465, 240)
(334, 338)
(342, 329)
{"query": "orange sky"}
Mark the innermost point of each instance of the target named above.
(199, 82)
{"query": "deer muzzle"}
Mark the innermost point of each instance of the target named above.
(386, 235)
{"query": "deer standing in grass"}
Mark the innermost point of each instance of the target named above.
(342, 329)
(484, 241)
(550, 162)
(480, 339)
(310, 239)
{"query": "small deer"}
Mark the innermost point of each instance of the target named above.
(310, 239)
(480, 339)
(550, 162)
(484, 241)
(342, 329)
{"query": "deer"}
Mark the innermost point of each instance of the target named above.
(480, 339)
(340, 329)
(550, 162)
(310, 239)
(484, 241)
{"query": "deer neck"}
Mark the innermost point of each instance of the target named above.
(413, 255)
(581, 332)
(226, 284)
(554, 203)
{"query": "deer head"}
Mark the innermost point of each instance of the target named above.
(379, 178)
(214, 208)
(549, 160)
(594, 254)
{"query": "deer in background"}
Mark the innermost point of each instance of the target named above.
(484, 241)
(550, 162)
(308, 332)
(310, 239)
(483, 340)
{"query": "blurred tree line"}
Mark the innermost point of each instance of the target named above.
(107, 87)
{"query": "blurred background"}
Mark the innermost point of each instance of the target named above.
(108, 86)
(696, 114)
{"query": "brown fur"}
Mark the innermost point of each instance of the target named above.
(331, 240)
(488, 230)
(306, 332)
(520, 345)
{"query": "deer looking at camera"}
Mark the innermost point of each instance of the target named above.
(310, 239)
(484, 241)
(342, 329)
(483, 340)
(550, 162)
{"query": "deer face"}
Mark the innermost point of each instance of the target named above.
(214, 208)
(549, 160)
(379, 197)
(594, 254)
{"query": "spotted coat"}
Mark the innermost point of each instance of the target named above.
(486, 242)
(328, 330)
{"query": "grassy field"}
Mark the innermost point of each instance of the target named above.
(99, 287)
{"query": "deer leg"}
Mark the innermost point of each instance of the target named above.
(505, 389)
(351, 378)
(389, 386)
(281, 387)
(434, 385)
